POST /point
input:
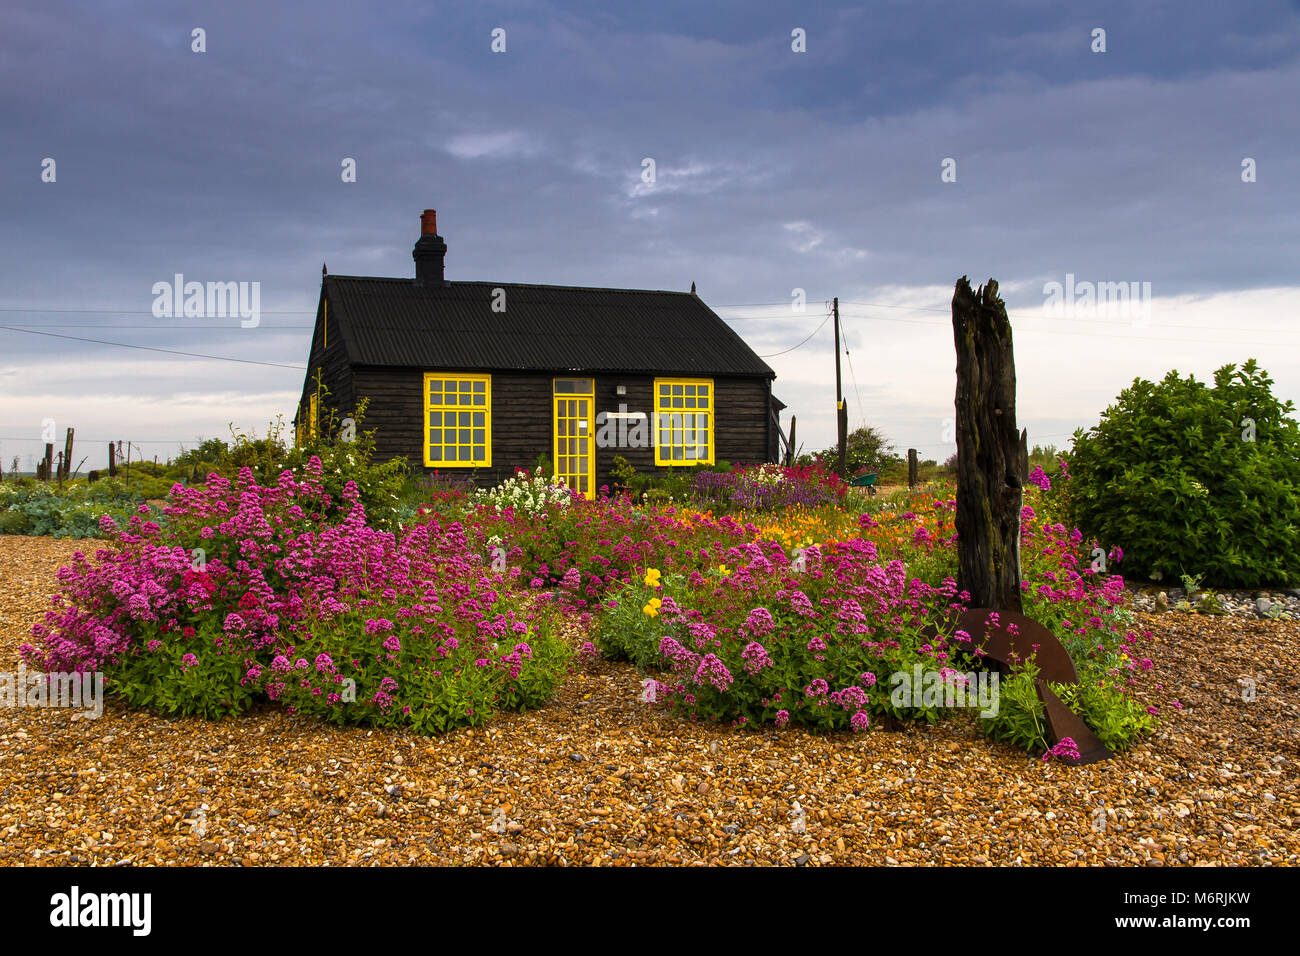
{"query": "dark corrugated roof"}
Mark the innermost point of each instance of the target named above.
(552, 328)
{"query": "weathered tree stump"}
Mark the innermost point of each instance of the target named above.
(991, 461)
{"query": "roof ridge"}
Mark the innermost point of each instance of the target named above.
(526, 285)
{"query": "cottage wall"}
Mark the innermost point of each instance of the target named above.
(523, 427)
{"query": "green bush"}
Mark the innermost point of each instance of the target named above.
(40, 508)
(1171, 476)
(346, 454)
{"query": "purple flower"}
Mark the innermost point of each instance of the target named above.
(860, 721)
(755, 657)
(189, 660)
(759, 622)
(713, 671)
(782, 718)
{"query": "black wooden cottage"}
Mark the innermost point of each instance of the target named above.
(483, 377)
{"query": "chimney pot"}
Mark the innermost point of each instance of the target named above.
(429, 252)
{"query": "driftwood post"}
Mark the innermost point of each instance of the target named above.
(911, 468)
(990, 455)
(48, 463)
(67, 456)
(112, 460)
(789, 449)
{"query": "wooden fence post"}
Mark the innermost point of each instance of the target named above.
(48, 463)
(911, 468)
(67, 455)
(112, 460)
(789, 449)
(990, 457)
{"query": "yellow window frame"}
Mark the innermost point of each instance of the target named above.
(457, 409)
(684, 398)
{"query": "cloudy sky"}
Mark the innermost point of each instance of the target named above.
(910, 143)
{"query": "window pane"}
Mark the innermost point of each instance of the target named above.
(479, 438)
(435, 436)
(464, 419)
(479, 453)
(464, 386)
(464, 436)
(449, 418)
(480, 386)
(435, 453)
(479, 419)
(678, 453)
(435, 398)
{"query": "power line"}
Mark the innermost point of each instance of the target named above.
(134, 441)
(150, 348)
(810, 335)
(143, 311)
(862, 411)
(157, 328)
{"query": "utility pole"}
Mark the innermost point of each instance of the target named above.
(841, 412)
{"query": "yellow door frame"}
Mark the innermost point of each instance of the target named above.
(589, 438)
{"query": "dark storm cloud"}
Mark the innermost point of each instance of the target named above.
(775, 170)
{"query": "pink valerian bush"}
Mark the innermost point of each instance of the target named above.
(272, 574)
(1065, 748)
(1039, 478)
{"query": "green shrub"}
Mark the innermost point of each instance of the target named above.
(1171, 476)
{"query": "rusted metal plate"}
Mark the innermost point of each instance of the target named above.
(1008, 636)
(1017, 637)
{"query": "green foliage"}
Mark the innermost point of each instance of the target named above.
(1170, 476)
(1115, 717)
(1021, 719)
(208, 684)
(866, 450)
(38, 508)
(346, 454)
(621, 472)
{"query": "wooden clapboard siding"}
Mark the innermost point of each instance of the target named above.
(523, 425)
(336, 371)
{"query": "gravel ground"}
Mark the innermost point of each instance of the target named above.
(597, 778)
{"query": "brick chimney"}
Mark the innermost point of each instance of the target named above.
(429, 251)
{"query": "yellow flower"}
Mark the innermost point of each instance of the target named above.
(651, 610)
(651, 578)
(724, 570)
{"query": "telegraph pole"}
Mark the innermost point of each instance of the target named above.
(841, 412)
